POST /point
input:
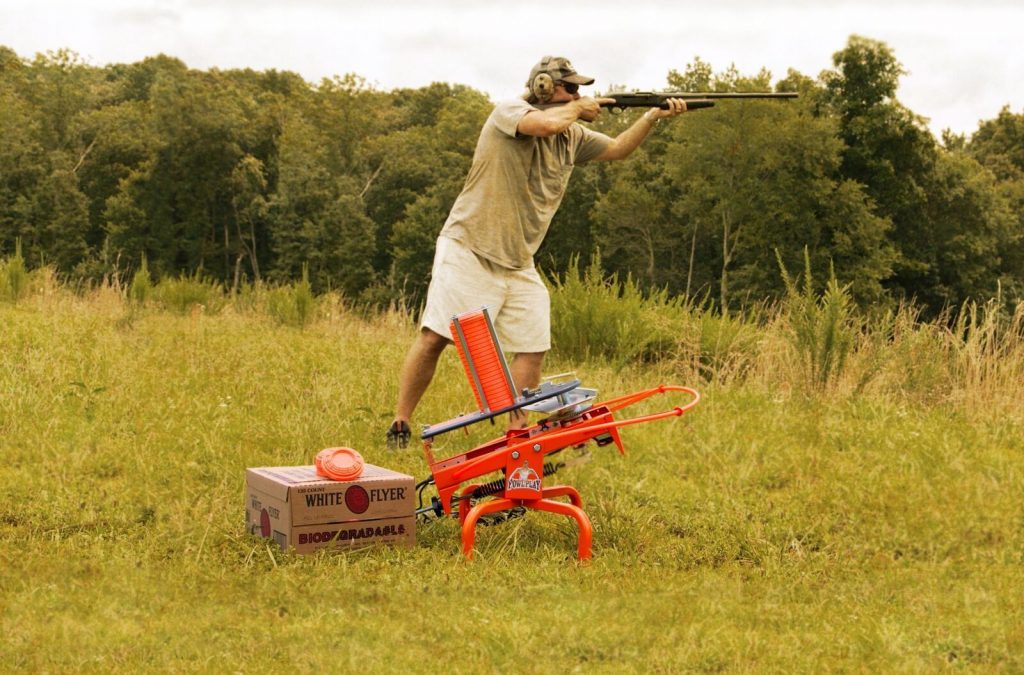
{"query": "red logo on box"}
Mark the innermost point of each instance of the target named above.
(356, 499)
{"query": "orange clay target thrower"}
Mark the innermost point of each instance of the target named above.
(521, 455)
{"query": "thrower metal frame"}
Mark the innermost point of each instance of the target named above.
(519, 455)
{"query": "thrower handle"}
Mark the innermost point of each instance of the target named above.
(621, 402)
(617, 404)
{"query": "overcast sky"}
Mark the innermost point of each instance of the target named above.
(965, 60)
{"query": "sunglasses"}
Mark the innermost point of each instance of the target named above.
(570, 87)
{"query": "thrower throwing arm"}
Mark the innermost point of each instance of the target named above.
(544, 392)
(531, 444)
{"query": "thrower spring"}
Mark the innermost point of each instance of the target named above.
(496, 486)
(436, 510)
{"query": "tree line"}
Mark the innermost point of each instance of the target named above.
(245, 176)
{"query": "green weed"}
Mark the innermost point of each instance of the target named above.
(595, 316)
(726, 346)
(820, 328)
(190, 294)
(141, 289)
(292, 305)
(14, 277)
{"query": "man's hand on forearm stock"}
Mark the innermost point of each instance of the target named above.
(677, 106)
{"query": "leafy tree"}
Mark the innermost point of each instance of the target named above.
(696, 76)
(22, 157)
(240, 173)
(972, 224)
(316, 219)
(128, 225)
(62, 216)
(446, 151)
(61, 87)
(185, 189)
(40, 199)
(761, 176)
(998, 145)
(9, 62)
(949, 225)
(348, 112)
(249, 202)
(888, 150)
(134, 81)
(634, 225)
(423, 106)
(118, 139)
(404, 168)
(571, 234)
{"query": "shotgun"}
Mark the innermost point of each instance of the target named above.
(694, 100)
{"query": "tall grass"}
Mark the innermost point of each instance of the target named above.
(14, 277)
(292, 305)
(141, 289)
(870, 525)
(819, 327)
(605, 317)
(814, 343)
(594, 316)
(190, 294)
(810, 342)
(986, 355)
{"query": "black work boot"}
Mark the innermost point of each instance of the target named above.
(398, 435)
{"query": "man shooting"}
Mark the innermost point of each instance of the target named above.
(525, 154)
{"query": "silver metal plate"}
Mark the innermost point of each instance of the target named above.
(569, 403)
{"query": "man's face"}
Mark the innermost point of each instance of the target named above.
(565, 92)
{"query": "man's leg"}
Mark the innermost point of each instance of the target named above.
(526, 369)
(417, 372)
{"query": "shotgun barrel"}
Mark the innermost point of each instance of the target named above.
(694, 99)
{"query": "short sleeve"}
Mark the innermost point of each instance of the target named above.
(506, 115)
(591, 144)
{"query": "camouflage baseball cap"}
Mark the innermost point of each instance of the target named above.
(560, 69)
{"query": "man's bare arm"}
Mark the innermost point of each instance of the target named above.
(629, 140)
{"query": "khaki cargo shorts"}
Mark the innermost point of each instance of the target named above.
(517, 300)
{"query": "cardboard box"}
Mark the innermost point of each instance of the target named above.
(297, 508)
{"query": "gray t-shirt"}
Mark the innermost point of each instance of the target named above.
(515, 185)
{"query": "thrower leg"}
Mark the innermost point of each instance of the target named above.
(469, 525)
(464, 501)
(586, 532)
(564, 491)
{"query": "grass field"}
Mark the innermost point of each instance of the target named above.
(875, 527)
